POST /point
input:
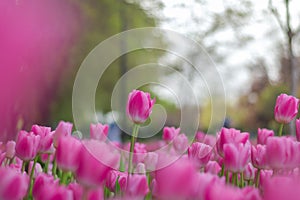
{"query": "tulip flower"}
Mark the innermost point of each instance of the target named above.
(137, 186)
(99, 131)
(27, 145)
(230, 136)
(200, 153)
(63, 129)
(169, 133)
(236, 156)
(46, 142)
(67, 153)
(95, 155)
(181, 143)
(139, 106)
(14, 184)
(212, 167)
(286, 108)
(10, 149)
(263, 135)
(249, 172)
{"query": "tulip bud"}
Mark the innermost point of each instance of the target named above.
(286, 108)
(139, 106)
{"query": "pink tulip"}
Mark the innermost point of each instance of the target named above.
(55, 191)
(230, 136)
(282, 153)
(37, 170)
(67, 153)
(10, 149)
(263, 135)
(140, 152)
(139, 106)
(99, 131)
(13, 184)
(77, 190)
(137, 186)
(96, 155)
(42, 181)
(176, 181)
(140, 168)
(298, 129)
(282, 187)
(112, 178)
(251, 193)
(200, 153)
(46, 142)
(212, 167)
(249, 172)
(63, 129)
(169, 133)
(216, 191)
(205, 138)
(236, 156)
(151, 161)
(181, 143)
(27, 145)
(259, 156)
(286, 108)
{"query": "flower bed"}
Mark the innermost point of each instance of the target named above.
(46, 164)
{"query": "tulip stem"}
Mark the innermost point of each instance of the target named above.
(222, 171)
(133, 139)
(47, 164)
(54, 169)
(257, 178)
(23, 166)
(280, 130)
(64, 178)
(227, 176)
(31, 176)
(234, 178)
(242, 180)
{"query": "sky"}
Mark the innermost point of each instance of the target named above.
(261, 26)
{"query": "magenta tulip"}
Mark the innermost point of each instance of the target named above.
(286, 108)
(169, 133)
(99, 131)
(139, 106)
(63, 129)
(137, 186)
(67, 153)
(259, 156)
(13, 184)
(200, 154)
(236, 156)
(231, 135)
(46, 142)
(27, 145)
(263, 135)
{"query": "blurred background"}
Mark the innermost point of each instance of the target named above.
(255, 45)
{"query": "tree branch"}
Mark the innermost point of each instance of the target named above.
(276, 15)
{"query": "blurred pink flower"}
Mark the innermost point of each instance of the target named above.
(63, 129)
(96, 159)
(67, 153)
(231, 135)
(263, 135)
(236, 156)
(212, 167)
(169, 133)
(286, 108)
(176, 181)
(99, 131)
(200, 154)
(10, 149)
(137, 186)
(181, 143)
(46, 142)
(249, 172)
(27, 145)
(113, 176)
(14, 184)
(139, 106)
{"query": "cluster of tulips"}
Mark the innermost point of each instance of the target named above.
(46, 164)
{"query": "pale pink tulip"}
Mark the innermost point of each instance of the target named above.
(200, 154)
(10, 149)
(63, 129)
(99, 131)
(169, 133)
